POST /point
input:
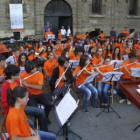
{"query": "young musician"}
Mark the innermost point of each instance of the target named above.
(34, 83)
(13, 59)
(59, 76)
(22, 59)
(50, 65)
(116, 54)
(104, 87)
(108, 51)
(97, 59)
(12, 75)
(48, 33)
(126, 69)
(2, 67)
(58, 48)
(85, 70)
(16, 121)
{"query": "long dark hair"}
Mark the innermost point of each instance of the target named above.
(119, 54)
(83, 59)
(17, 92)
(19, 58)
(107, 51)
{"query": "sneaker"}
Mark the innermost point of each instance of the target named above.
(128, 102)
(85, 110)
(95, 105)
(122, 101)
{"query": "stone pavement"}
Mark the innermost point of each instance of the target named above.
(108, 126)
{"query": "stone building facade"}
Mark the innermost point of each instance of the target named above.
(79, 14)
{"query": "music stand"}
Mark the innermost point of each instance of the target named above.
(65, 111)
(86, 47)
(51, 37)
(135, 72)
(110, 77)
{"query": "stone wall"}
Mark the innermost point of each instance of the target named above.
(113, 13)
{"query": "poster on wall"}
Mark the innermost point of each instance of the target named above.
(16, 16)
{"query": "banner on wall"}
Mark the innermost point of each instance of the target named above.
(16, 16)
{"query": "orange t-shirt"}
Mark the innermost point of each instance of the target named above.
(44, 54)
(2, 48)
(96, 60)
(49, 66)
(104, 69)
(125, 32)
(68, 46)
(71, 38)
(31, 57)
(125, 73)
(138, 54)
(136, 47)
(17, 123)
(102, 35)
(109, 54)
(73, 57)
(84, 36)
(59, 51)
(79, 36)
(59, 36)
(36, 49)
(29, 45)
(127, 51)
(83, 76)
(61, 71)
(48, 33)
(36, 79)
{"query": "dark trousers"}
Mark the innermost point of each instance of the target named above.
(119, 91)
(42, 99)
(39, 114)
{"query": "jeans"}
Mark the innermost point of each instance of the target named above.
(103, 89)
(119, 91)
(88, 89)
(42, 99)
(38, 113)
(47, 136)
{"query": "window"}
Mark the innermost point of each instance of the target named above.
(96, 6)
(15, 1)
(133, 5)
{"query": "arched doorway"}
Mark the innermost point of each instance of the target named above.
(58, 13)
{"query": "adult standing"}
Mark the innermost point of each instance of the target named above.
(63, 32)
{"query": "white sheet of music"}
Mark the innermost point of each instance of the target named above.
(108, 76)
(65, 108)
(138, 90)
(117, 63)
(135, 72)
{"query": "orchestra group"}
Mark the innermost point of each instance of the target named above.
(31, 67)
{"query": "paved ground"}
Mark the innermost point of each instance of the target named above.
(105, 127)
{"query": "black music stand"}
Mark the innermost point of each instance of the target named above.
(110, 77)
(64, 126)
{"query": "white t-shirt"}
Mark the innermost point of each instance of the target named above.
(68, 32)
(63, 32)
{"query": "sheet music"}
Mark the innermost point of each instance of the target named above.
(86, 47)
(74, 63)
(108, 76)
(65, 108)
(135, 72)
(89, 79)
(138, 90)
(116, 63)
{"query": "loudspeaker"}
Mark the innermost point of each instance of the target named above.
(16, 35)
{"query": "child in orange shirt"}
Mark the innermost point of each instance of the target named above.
(97, 59)
(16, 121)
(104, 87)
(88, 89)
(116, 54)
(58, 48)
(127, 75)
(34, 84)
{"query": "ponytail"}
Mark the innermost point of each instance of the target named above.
(17, 92)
